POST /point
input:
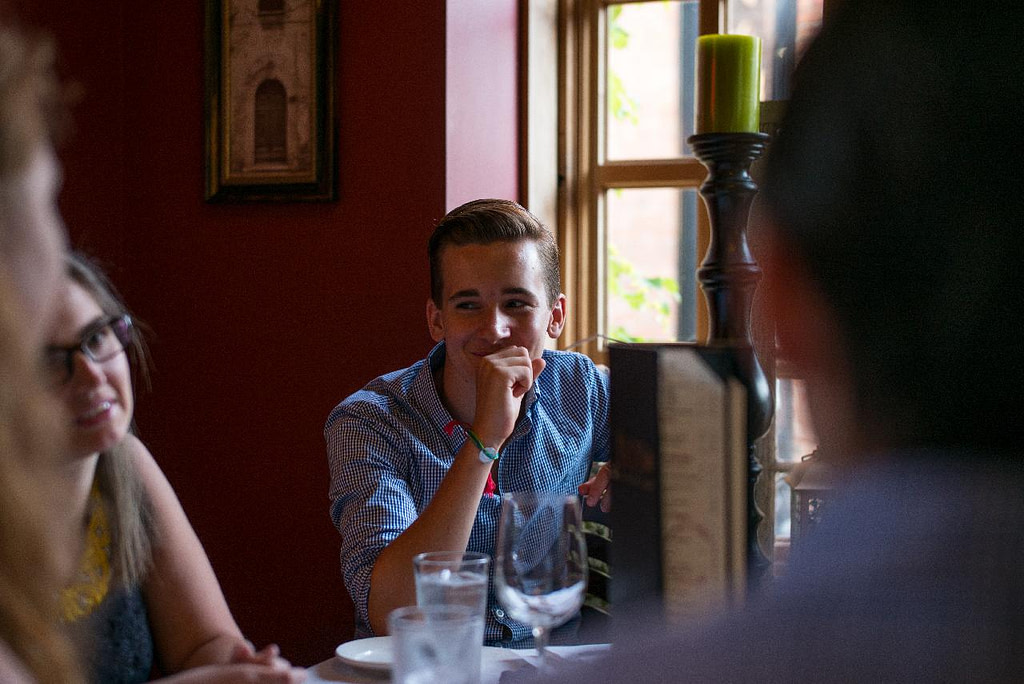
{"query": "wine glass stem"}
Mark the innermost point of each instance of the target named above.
(540, 641)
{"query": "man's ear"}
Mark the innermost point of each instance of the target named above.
(557, 320)
(809, 338)
(804, 324)
(434, 321)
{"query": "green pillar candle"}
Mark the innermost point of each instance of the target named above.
(728, 84)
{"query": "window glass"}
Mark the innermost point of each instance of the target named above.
(793, 431)
(783, 506)
(651, 263)
(785, 27)
(794, 439)
(649, 78)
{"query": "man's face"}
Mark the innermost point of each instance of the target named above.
(32, 243)
(493, 297)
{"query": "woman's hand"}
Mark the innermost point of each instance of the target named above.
(269, 655)
(247, 666)
(239, 673)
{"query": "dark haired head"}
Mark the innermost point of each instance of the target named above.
(484, 221)
(891, 180)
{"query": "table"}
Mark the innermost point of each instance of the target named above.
(336, 670)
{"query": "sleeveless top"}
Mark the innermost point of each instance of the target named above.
(115, 640)
(109, 624)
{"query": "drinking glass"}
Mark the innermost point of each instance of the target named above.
(447, 577)
(540, 570)
(439, 644)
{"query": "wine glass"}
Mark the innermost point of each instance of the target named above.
(540, 572)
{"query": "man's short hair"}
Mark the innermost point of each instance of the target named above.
(485, 221)
(891, 178)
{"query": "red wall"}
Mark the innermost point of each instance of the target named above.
(265, 316)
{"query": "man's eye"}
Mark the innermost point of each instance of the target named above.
(516, 304)
(467, 306)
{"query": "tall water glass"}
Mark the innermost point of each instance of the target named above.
(540, 565)
(452, 577)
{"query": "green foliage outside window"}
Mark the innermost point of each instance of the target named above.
(641, 293)
(625, 282)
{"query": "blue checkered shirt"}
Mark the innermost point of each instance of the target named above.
(388, 452)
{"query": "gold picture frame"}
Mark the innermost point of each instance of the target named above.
(270, 128)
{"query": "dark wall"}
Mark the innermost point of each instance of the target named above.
(263, 316)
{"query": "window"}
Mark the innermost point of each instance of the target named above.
(630, 221)
(623, 188)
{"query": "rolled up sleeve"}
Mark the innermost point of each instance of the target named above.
(371, 504)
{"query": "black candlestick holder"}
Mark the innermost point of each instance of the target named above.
(728, 276)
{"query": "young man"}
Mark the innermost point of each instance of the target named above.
(895, 280)
(407, 474)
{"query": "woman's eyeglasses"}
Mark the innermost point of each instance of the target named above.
(100, 343)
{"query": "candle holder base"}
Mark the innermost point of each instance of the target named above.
(728, 276)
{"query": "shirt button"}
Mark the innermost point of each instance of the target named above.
(498, 612)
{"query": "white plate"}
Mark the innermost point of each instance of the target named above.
(374, 653)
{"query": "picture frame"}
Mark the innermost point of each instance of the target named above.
(269, 104)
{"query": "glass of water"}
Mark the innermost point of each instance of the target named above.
(540, 566)
(439, 644)
(452, 577)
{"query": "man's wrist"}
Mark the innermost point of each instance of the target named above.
(487, 454)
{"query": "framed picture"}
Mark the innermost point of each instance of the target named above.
(270, 130)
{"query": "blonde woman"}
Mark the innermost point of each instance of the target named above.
(145, 595)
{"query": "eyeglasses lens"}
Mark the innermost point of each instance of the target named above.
(102, 344)
(99, 345)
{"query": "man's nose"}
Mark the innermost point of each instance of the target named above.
(497, 325)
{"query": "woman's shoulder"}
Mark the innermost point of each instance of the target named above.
(156, 488)
(140, 457)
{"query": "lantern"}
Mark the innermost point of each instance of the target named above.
(811, 485)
